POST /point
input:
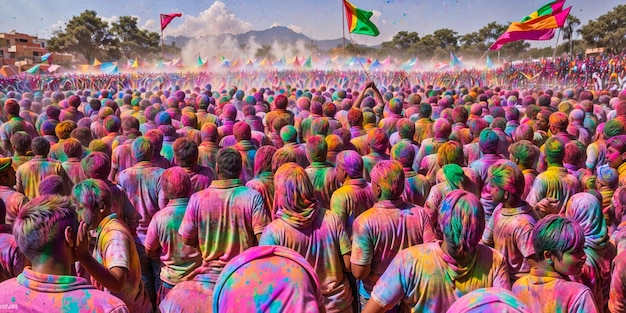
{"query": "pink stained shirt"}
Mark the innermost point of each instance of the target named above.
(177, 259)
(549, 292)
(323, 245)
(384, 230)
(224, 218)
(509, 231)
(617, 295)
(37, 292)
(12, 261)
(426, 279)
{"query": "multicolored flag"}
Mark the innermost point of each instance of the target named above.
(359, 20)
(539, 25)
(166, 19)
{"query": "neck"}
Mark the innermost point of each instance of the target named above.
(53, 267)
(555, 164)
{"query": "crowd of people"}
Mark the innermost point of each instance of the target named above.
(352, 198)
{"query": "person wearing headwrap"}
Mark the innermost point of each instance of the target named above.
(424, 125)
(585, 209)
(385, 229)
(442, 130)
(317, 233)
(558, 244)
(321, 173)
(263, 181)
(430, 277)
(207, 150)
(289, 136)
(261, 279)
(556, 182)
(280, 110)
(489, 300)
(13, 200)
(607, 181)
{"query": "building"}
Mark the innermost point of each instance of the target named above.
(21, 47)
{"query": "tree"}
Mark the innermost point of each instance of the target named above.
(87, 35)
(400, 44)
(570, 27)
(448, 39)
(608, 31)
(134, 42)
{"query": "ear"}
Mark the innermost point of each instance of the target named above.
(70, 236)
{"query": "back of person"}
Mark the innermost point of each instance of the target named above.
(36, 292)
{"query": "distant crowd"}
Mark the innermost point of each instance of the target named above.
(161, 193)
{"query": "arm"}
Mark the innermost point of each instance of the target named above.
(112, 279)
(346, 263)
(373, 307)
(357, 103)
(361, 271)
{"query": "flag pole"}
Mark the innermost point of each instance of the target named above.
(556, 46)
(162, 46)
(343, 23)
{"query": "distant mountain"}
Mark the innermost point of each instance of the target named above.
(264, 37)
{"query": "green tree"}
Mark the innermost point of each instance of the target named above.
(400, 45)
(134, 42)
(608, 31)
(571, 25)
(448, 39)
(87, 35)
(426, 47)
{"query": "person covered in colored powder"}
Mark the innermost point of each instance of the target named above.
(432, 276)
(46, 231)
(558, 243)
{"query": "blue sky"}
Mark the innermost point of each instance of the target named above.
(318, 19)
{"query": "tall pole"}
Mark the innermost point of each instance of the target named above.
(162, 47)
(556, 46)
(343, 23)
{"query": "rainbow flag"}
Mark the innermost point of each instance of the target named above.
(359, 20)
(539, 25)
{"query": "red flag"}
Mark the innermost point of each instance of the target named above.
(166, 19)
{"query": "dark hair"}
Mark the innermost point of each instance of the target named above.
(21, 142)
(40, 146)
(229, 163)
(186, 152)
(556, 234)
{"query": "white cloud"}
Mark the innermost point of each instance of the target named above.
(215, 20)
(110, 20)
(375, 15)
(151, 25)
(56, 26)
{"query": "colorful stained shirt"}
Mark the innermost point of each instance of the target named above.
(509, 232)
(354, 197)
(424, 129)
(426, 279)
(299, 151)
(31, 173)
(461, 133)
(115, 247)
(74, 170)
(416, 187)
(370, 160)
(545, 291)
(13, 202)
(596, 154)
(123, 208)
(388, 124)
(12, 261)
(14, 125)
(122, 156)
(324, 179)
(224, 218)
(264, 184)
(428, 146)
(555, 183)
(247, 150)
(323, 245)
(482, 165)
(37, 292)
(529, 178)
(621, 171)
(207, 154)
(178, 260)
(142, 184)
(56, 151)
(167, 150)
(617, 295)
(70, 114)
(189, 133)
(190, 296)
(18, 160)
(618, 237)
(382, 231)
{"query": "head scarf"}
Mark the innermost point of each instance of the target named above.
(294, 199)
(585, 209)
